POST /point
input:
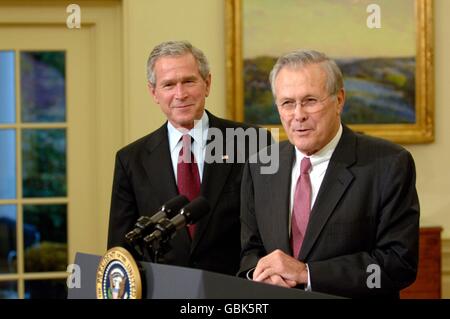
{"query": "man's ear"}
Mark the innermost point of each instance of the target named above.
(152, 91)
(341, 101)
(208, 84)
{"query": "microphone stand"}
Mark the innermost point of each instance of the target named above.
(158, 241)
(153, 249)
(159, 245)
(157, 249)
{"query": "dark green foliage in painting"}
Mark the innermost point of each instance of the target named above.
(259, 105)
(378, 90)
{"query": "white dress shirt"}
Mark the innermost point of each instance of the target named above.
(199, 133)
(319, 165)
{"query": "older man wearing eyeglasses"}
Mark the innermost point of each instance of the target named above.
(341, 215)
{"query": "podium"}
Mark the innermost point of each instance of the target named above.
(174, 282)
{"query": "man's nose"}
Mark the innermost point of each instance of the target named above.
(299, 113)
(180, 91)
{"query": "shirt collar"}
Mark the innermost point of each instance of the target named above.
(199, 132)
(325, 153)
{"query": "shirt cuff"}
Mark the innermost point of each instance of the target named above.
(308, 286)
(249, 273)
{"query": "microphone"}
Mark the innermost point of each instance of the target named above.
(189, 214)
(146, 224)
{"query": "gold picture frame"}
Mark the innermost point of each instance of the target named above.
(421, 131)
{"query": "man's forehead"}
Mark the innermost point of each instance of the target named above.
(175, 65)
(310, 69)
(305, 77)
(164, 60)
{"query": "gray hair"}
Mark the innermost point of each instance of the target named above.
(176, 48)
(302, 58)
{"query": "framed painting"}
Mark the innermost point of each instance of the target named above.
(384, 51)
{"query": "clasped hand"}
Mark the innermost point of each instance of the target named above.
(278, 268)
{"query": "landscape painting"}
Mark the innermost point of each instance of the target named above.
(376, 47)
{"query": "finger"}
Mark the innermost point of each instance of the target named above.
(290, 283)
(267, 281)
(293, 271)
(278, 281)
(263, 275)
(258, 270)
(260, 267)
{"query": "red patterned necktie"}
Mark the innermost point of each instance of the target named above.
(302, 207)
(188, 177)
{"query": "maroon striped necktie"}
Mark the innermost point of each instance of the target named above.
(188, 178)
(302, 207)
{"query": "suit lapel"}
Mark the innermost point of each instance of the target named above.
(277, 211)
(158, 166)
(214, 178)
(336, 181)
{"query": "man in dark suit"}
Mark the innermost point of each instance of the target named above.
(147, 172)
(341, 215)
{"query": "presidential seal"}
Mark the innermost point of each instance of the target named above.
(118, 276)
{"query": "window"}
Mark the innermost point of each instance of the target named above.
(33, 174)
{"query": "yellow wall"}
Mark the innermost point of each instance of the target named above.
(147, 23)
(202, 22)
(433, 178)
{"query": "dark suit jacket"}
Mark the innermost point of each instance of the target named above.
(366, 212)
(144, 180)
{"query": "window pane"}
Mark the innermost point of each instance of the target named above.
(7, 87)
(45, 237)
(7, 164)
(44, 163)
(43, 87)
(8, 236)
(8, 290)
(46, 289)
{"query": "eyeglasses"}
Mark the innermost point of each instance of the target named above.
(310, 104)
